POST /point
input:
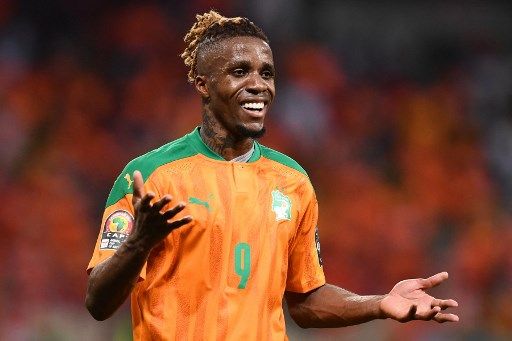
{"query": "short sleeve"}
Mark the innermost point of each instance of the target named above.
(305, 271)
(117, 222)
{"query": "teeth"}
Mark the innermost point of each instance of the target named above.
(253, 105)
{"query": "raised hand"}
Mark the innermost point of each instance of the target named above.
(152, 224)
(408, 301)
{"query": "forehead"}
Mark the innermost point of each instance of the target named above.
(238, 46)
(238, 49)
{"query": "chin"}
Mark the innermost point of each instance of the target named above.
(254, 133)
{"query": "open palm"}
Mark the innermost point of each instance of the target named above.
(409, 301)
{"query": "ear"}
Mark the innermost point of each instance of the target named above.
(200, 84)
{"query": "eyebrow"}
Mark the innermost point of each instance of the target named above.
(239, 63)
(246, 64)
(268, 66)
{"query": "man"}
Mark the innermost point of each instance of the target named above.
(243, 234)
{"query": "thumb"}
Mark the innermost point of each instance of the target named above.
(138, 187)
(434, 280)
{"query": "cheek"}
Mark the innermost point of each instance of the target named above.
(217, 93)
(272, 90)
(229, 91)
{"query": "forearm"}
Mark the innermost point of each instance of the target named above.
(111, 281)
(330, 306)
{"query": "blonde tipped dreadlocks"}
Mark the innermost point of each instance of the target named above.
(210, 28)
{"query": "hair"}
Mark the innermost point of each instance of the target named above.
(210, 28)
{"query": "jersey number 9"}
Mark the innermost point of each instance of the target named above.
(243, 263)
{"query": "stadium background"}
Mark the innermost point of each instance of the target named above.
(401, 114)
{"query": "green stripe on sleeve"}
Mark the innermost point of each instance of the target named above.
(281, 158)
(147, 163)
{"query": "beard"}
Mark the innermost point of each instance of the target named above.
(245, 132)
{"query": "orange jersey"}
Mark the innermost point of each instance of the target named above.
(223, 276)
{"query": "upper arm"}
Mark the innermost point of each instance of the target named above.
(116, 225)
(300, 306)
(305, 270)
(295, 299)
(117, 222)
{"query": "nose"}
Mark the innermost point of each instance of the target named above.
(256, 84)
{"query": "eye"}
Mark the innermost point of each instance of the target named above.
(239, 72)
(267, 74)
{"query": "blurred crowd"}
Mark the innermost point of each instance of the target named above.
(407, 140)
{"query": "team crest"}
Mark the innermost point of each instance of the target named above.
(117, 227)
(281, 205)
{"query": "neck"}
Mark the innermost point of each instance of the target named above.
(218, 139)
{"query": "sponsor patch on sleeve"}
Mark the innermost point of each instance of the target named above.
(117, 227)
(317, 244)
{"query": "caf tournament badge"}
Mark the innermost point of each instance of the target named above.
(117, 227)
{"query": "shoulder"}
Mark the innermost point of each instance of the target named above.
(170, 152)
(281, 159)
(147, 164)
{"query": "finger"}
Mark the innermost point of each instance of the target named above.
(177, 223)
(138, 187)
(173, 211)
(429, 315)
(412, 312)
(162, 202)
(442, 317)
(434, 280)
(443, 304)
(145, 202)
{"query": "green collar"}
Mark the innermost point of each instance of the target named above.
(197, 143)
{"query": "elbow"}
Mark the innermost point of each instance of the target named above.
(95, 309)
(300, 318)
(300, 309)
(95, 303)
(302, 323)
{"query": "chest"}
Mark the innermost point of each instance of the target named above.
(244, 221)
(238, 200)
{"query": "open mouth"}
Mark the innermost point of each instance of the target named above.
(253, 106)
